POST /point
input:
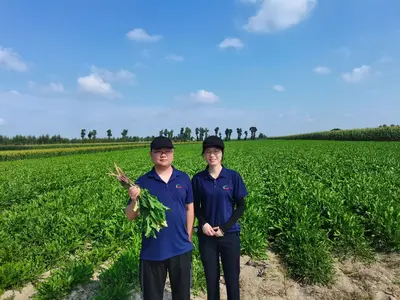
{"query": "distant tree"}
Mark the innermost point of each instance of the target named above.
(226, 134)
(90, 134)
(239, 133)
(216, 129)
(109, 134)
(187, 133)
(229, 134)
(253, 130)
(206, 130)
(83, 133)
(245, 135)
(197, 131)
(165, 132)
(202, 131)
(220, 135)
(124, 133)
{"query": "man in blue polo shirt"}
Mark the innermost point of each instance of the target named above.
(171, 251)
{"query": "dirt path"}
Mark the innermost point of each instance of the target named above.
(267, 280)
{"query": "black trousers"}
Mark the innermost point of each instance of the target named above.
(228, 247)
(153, 275)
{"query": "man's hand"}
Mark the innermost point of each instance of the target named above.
(134, 192)
(218, 232)
(208, 230)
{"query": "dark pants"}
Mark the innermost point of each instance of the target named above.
(153, 275)
(228, 247)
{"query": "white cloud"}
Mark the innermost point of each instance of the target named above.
(140, 35)
(55, 87)
(32, 115)
(274, 15)
(357, 74)
(52, 87)
(15, 93)
(11, 60)
(202, 96)
(322, 70)
(175, 57)
(98, 82)
(94, 84)
(2, 121)
(231, 43)
(122, 76)
(278, 88)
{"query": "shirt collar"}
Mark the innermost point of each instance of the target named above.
(222, 174)
(153, 174)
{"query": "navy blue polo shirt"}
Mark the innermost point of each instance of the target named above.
(218, 196)
(174, 239)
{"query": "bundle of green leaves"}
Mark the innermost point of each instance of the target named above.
(152, 211)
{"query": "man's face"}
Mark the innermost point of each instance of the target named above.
(162, 157)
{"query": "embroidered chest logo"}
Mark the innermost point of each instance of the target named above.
(178, 186)
(225, 187)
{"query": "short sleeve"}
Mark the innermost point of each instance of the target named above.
(189, 194)
(240, 190)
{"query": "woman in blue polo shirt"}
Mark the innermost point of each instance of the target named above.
(217, 190)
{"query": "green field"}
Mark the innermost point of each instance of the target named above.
(310, 201)
(382, 133)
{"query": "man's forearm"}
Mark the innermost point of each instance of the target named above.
(130, 214)
(190, 219)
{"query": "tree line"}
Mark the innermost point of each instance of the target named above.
(201, 133)
(90, 136)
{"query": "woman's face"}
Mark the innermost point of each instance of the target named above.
(213, 156)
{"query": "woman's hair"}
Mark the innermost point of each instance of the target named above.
(213, 141)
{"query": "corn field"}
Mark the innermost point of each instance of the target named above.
(384, 133)
(310, 201)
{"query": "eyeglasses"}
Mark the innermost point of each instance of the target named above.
(215, 152)
(159, 152)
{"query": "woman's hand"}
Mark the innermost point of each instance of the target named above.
(218, 232)
(208, 230)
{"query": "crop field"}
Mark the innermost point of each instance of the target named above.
(309, 201)
(67, 145)
(8, 155)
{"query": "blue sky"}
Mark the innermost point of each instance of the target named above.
(286, 66)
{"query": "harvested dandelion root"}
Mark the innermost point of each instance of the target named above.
(151, 209)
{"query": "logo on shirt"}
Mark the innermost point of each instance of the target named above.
(225, 187)
(178, 186)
